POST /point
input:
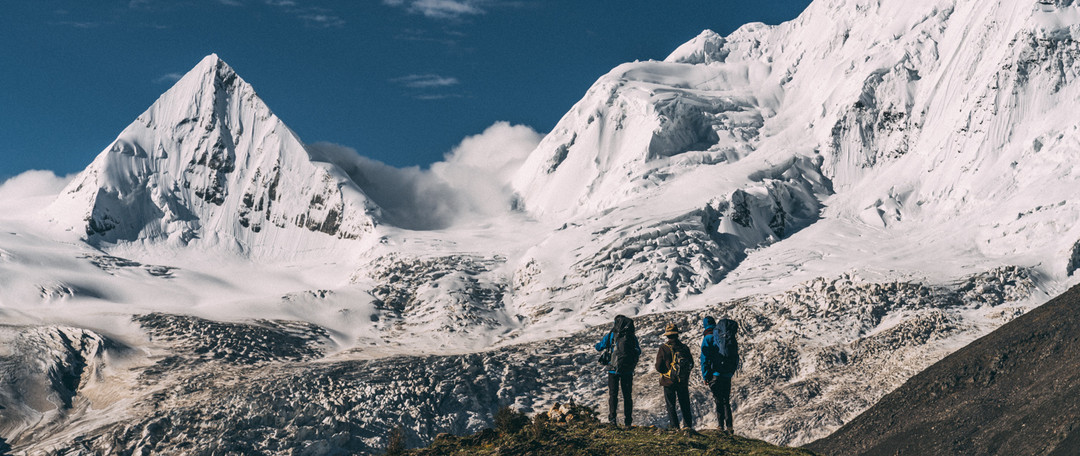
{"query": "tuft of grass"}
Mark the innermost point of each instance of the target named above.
(543, 436)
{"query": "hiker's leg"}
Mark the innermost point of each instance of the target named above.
(714, 388)
(628, 398)
(613, 396)
(683, 390)
(725, 400)
(669, 399)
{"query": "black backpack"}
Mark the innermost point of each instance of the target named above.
(728, 346)
(624, 350)
(625, 353)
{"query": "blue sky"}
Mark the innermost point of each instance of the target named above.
(401, 81)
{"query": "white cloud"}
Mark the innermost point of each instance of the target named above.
(437, 96)
(29, 191)
(322, 20)
(441, 9)
(169, 78)
(426, 81)
(312, 16)
(79, 24)
(482, 165)
(470, 184)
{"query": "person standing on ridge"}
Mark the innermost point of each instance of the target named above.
(719, 361)
(674, 363)
(620, 354)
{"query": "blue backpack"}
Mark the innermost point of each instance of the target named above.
(725, 336)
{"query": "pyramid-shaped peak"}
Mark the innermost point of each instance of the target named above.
(208, 162)
(212, 64)
(210, 70)
(211, 92)
(211, 59)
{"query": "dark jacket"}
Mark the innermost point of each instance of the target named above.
(664, 356)
(623, 326)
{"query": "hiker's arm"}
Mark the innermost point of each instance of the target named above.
(661, 360)
(603, 344)
(704, 358)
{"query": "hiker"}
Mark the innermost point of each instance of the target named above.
(674, 363)
(719, 361)
(620, 354)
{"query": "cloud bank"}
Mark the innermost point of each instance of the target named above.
(24, 193)
(471, 183)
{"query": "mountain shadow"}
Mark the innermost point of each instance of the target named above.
(1015, 391)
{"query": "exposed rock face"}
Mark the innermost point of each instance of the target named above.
(209, 163)
(1014, 391)
(1074, 259)
(43, 370)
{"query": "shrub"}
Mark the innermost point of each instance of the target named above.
(395, 441)
(539, 426)
(509, 421)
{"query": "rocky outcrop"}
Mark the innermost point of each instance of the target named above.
(1013, 391)
(43, 372)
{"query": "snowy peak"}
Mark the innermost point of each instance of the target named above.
(209, 163)
(707, 47)
(645, 124)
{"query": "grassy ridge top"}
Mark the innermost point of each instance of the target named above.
(582, 434)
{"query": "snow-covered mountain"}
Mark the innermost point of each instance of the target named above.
(867, 188)
(209, 164)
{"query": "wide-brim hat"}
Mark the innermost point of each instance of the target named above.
(671, 330)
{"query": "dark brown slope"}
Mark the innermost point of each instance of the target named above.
(1015, 391)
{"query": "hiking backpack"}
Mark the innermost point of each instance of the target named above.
(624, 353)
(724, 335)
(680, 366)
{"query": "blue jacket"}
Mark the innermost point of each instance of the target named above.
(607, 343)
(712, 352)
